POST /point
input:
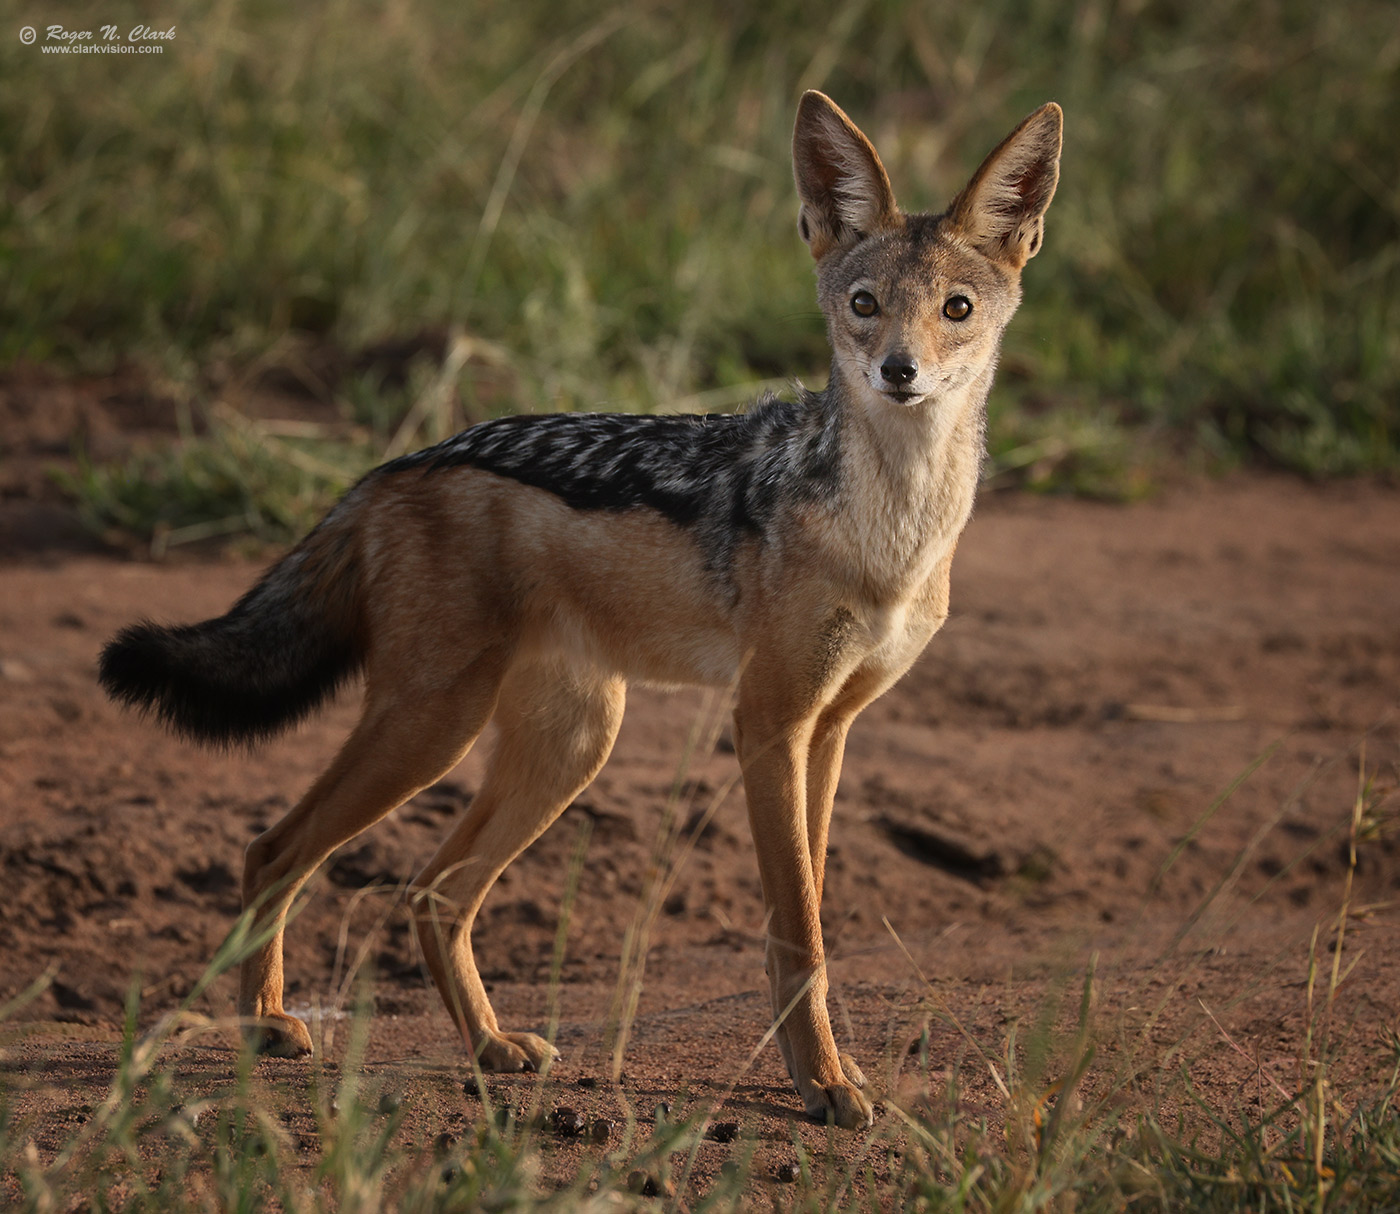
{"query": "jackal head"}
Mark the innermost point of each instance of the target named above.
(916, 304)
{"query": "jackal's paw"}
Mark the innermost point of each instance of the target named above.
(515, 1052)
(839, 1104)
(278, 1035)
(853, 1071)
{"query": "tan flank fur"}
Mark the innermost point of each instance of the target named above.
(528, 569)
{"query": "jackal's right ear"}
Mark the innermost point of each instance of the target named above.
(842, 184)
(1001, 212)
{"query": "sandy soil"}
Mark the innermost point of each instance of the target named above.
(1036, 793)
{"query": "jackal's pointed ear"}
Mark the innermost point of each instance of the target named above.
(842, 184)
(1001, 213)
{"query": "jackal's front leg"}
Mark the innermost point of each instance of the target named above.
(824, 755)
(774, 760)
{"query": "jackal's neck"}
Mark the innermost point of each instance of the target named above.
(926, 456)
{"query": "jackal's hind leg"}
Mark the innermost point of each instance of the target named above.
(402, 743)
(556, 730)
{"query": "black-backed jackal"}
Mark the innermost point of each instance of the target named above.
(529, 568)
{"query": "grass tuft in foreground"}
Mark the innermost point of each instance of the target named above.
(1072, 1124)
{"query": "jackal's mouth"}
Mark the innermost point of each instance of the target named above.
(902, 396)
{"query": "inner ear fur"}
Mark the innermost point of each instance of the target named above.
(844, 189)
(1001, 212)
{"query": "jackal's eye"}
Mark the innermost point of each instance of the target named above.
(863, 304)
(958, 307)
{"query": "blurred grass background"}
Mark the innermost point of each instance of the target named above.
(591, 207)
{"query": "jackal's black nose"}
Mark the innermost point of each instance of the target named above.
(899, 368)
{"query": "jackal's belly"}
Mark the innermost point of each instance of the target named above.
(641, 650)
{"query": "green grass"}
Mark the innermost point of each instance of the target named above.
(237, 479)
(604, 195)
(337, 1139)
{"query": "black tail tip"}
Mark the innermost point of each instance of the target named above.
(155, 670)
(216, 684)
(134, 668)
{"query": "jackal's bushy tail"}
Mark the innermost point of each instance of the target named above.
(283, 648)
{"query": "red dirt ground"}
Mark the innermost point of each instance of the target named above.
(1030, 796)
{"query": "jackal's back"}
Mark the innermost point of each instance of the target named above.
(722, 475)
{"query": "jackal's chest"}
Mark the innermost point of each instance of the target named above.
(893, 636)
(887, 622)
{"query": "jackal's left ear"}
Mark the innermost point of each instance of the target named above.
(845, 192)
(1002, 210)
